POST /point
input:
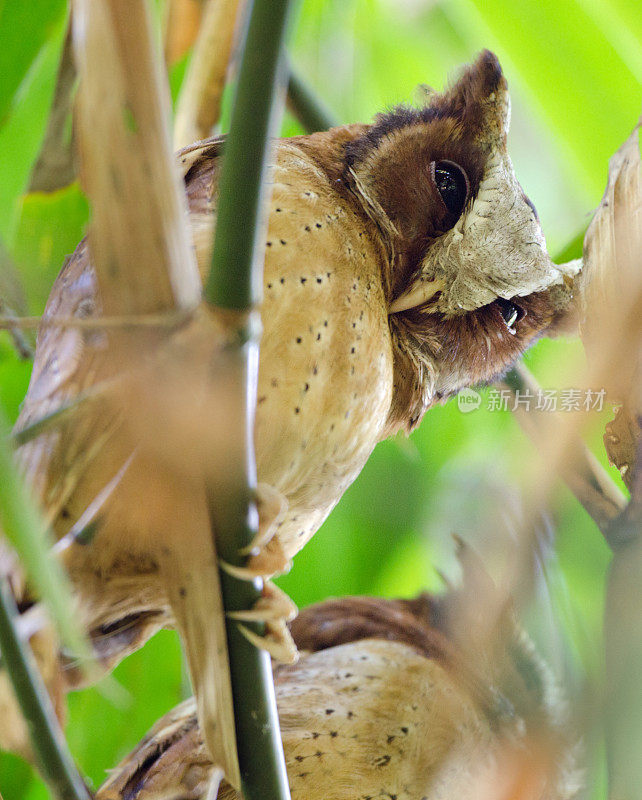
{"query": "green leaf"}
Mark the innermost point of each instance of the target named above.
(23, 125)
(14, 377)
(49, 227)
(24, 528)
(24, 29)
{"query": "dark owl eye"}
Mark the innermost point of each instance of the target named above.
(511, 313)
(452, 184)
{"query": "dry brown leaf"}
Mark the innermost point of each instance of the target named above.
(611, 294)
(621, 441)
(612, 333)
(141, 250)
(199, 103)
(182, 21)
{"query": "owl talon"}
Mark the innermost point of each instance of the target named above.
(271, 505)
(278, 642)
(275, 609)
(273, 606)
(248, 573)
(270, 560)
(266, 556)
(267, 562)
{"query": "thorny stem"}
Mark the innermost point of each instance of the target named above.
(234, 283)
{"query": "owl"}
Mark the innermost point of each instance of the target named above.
(388, 700)
(403, 261)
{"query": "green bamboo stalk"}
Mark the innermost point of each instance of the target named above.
(56, 764)
(24, 528)
(236, 276)
(235, 282)
(21, 523)
(313, 114)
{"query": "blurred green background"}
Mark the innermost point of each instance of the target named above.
(574, 69)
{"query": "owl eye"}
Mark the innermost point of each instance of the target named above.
(452, 184)
(511, 313)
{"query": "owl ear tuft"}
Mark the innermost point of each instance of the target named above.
(479, 99)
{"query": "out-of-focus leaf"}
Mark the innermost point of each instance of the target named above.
(49, 228)
(14, 377)
(22, 129)
(182, 20)
(19, 781)
(24, 29)
(199, 104)
(24, 528)
(55, 167)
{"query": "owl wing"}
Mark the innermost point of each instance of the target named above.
(65, 361)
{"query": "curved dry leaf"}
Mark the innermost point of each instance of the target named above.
(199, 103)
(612, 333)
(181, 23)
(141, 250)
(620, 441)
(611, 299)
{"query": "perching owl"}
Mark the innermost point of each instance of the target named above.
(390, 699)
(403, 261)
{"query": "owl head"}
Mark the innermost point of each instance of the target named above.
(470, 283)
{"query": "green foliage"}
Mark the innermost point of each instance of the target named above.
(22, 524)
(49, 227)
(574, 68)
(31, 36)
(37, 21)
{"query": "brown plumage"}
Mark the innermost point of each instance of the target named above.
(402, 262)
(355, 218)
(386, 703)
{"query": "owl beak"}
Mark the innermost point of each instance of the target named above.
(420, 293)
